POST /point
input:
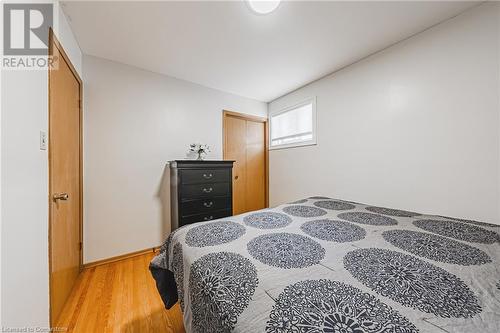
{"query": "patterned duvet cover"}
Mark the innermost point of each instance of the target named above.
(327, 265)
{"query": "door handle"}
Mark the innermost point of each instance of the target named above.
(60, 196)
(207, 190)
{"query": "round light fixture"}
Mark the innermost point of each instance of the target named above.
(263, 7)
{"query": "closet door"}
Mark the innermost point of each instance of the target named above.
(245, 142)
(255, 177)
(65, 178)
(235, 149)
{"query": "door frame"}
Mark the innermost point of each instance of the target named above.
(225, 115)
(53, 41)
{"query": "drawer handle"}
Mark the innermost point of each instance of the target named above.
(208, 204)
(207, 176)
(207, 190)
(208, 218)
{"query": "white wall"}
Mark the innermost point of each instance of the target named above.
(67, 39)
(498, 50)
(24, 191)
(415, 126)
(136, 121)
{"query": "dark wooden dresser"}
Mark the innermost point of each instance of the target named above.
(200, 191)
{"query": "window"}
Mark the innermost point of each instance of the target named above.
(294, 126)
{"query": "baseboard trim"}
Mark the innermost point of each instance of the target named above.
(120, 257)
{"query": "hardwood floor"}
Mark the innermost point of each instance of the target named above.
(119, 297)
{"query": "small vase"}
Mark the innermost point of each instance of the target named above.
(200, 158)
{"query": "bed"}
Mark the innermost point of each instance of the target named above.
(328, 265)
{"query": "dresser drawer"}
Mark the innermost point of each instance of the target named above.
(205, 176)
(205, 205)
(205, 190)
(199, 191)
(205, 216)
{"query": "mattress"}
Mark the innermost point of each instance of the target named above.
(328, 265)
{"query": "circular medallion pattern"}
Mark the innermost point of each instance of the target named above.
(334, 231)
(412, 282)
(298, 202)
(436, 248)
(304, 211)
(459, 230)
(161, 260)
(334, 205)
(367, 218)
(214, 233)
(315, 306)
(221, 285)
(286, 250)
(178, 270)
(166, 245)
(481, 224)
(391, 212)
(267, 220)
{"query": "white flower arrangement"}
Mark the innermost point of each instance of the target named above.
(200, 149)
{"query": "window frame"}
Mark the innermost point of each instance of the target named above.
(312, 142)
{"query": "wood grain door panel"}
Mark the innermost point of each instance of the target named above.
(255, 166)
(235, 143)
(64, 177)
(245, 142)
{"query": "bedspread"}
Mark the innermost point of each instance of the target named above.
(328, 265)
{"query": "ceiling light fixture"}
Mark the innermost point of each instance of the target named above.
(263, 7)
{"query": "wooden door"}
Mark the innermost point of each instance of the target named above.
(245, 141)
(65, 178)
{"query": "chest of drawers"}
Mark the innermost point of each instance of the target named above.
(200, 191)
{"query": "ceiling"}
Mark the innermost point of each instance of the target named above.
(223, 45)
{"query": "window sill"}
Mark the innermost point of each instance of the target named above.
(293, 145)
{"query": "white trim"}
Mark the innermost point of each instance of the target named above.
(312, 142)
(290, 136)
(294, 145)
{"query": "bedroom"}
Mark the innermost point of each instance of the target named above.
(364, 194)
